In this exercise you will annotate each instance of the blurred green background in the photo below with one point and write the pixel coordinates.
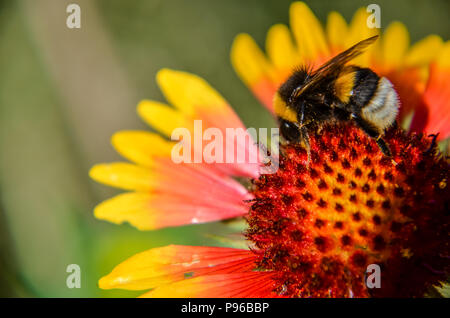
(64, 92)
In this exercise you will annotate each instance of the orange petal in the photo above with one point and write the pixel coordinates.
(434, 115)
(163, 265)
(234, 285)
(179, 194)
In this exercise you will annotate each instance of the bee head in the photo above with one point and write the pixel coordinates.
(290, 105)
(286, 98)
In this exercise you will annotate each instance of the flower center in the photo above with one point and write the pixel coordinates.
(319, 225)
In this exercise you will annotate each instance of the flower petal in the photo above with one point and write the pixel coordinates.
(308, 32)
(128, 207)
(154, 211)
(443, 59)
(336, 31)
(173, 263)
(200, 107)
(424, 51)
(281, 49)
(141, 146)
(123, 175)
(162, 117)
(205, 195)
(435, 115)
(200, 184)
(196, 99)
(254, 69)
(235, 285)
(248, 60)
(358, 31)
(190, 93)
(395, 44)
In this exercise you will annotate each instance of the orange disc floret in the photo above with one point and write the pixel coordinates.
(318, 225)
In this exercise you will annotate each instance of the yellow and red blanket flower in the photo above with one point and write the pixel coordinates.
(312, 230)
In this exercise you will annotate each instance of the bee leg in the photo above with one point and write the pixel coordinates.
(433, 143)
(305, 140)
(383, 146)
(373, 133)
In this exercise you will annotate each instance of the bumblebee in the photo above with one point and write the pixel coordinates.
(336, 92)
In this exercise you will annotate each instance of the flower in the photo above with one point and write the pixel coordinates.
(313, 228)
(164, 193)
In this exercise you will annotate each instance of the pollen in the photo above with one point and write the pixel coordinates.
(349, 207)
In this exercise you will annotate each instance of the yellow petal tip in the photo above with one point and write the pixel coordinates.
(96, 171)
(108, 282)
(163, 73)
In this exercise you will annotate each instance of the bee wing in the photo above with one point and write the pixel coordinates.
(337, 62)
(334, 66)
